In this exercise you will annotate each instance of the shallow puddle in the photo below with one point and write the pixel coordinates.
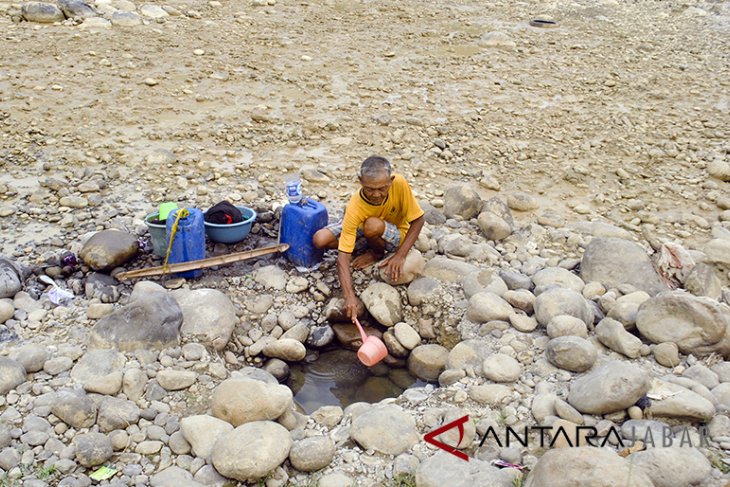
(337, 378)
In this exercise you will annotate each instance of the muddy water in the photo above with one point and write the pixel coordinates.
(337, 378)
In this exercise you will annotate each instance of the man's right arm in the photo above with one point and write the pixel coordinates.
(348, 291)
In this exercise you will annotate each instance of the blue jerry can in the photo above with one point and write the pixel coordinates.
(189, 243)
(299, 222)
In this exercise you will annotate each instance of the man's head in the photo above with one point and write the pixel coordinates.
(375, 178)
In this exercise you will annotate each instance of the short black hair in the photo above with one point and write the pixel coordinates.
(373, 166)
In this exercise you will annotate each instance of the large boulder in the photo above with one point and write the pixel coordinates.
(673, 467)
(43, 13)
(674, 401)
(312, 454)
(718, 251)
(209, 316)
(12, 374)
(92, 449)
(202, 432)
(502, 368)
(612, 387)
(484, 280)
(486, 306)
(287, 349)
(386, 429)
(383, 302)
(251, 451)
(557, 276)
(493, 226)
(75, 408)
(240, 401)
(116, 413)
(462, 200)
(151, 321)
(585, 466)
(612, 334)
(31, 356)
(560, 301)
(423, 290)
(10, 281)
(445, 469)
(76, 9)
(448, 270)
(427, 361)
(571, 353)
(614, 261)
(96, 364)
(109, 249)
(272, 277)
(696, 324)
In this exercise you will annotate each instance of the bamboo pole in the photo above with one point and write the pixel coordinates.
(201, 264)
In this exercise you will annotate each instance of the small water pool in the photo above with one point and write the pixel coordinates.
(337, 378)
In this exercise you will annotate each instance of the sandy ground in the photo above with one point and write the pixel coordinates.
(613, 115)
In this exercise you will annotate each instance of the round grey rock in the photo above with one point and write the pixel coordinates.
(560, 301)
(286, 349)
(585, 465)
(7, 310)
(571, 353)
(109, 249)
(502, 368)
(422, 290)
(614, 386)
(672, 467)
(461, 200)
(484, 280)
(383, 302)
(74, 408)
(201, 432)
(175, 380)
(312, 454)
(320, 336)
(12, 374)
(428, 361)
(693, 323)
(557, 276)
(240, 401)
(92, 449)
(486, 306)
(566, 325)
(493, 226)
(614, 261)
(251, 451)
(43, 13)
(666, 354)
(209, 316)
(386, 429)
(32, 357)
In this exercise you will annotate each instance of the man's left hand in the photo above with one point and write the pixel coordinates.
(393, 266)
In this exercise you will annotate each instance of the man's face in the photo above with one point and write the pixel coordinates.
(376, 188)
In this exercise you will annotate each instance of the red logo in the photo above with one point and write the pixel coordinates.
(459, 423)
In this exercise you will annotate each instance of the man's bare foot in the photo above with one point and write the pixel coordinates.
(367, 259)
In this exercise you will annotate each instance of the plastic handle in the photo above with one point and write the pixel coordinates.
(362, 332)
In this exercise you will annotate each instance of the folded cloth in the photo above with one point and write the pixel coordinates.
(223, 213)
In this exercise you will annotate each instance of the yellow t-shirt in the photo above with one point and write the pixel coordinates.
(399, 208)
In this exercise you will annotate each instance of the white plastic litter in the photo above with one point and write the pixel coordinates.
(58, 295)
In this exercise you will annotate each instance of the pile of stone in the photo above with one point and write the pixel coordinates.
(158, 382)
(98, 14)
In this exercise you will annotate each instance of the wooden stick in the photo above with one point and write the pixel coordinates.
(201, 264)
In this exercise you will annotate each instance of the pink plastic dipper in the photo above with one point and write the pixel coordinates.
(372, 349)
